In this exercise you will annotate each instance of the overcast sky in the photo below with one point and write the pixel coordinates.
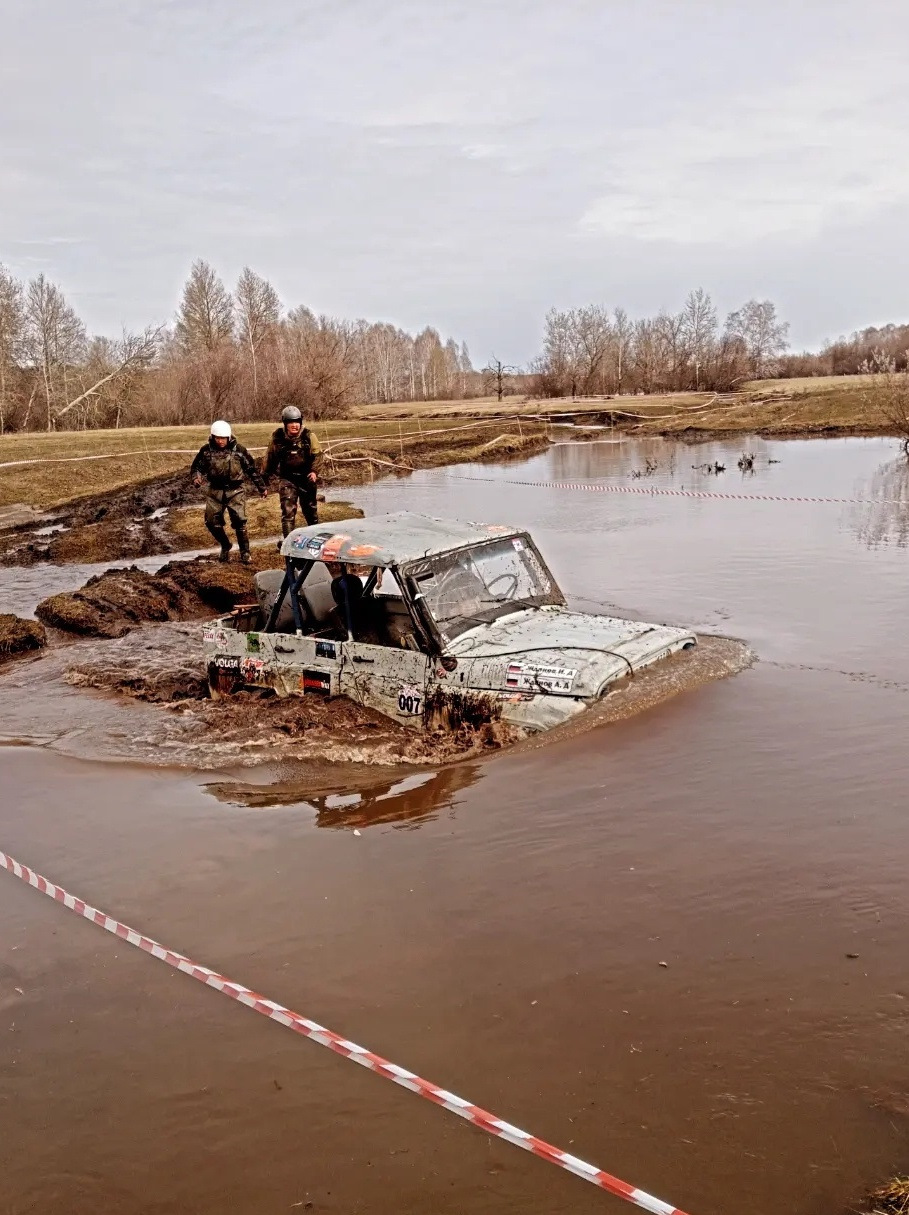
(465, 164)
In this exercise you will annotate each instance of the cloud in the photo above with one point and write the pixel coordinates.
(788, 163)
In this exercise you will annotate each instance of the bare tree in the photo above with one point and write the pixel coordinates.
(890, 393)
(112, 368)
(205, 319)
(12, 320)
(765, 336)
(668, 333)
(499, 374)
(699, 331)
(258, 312)
(54, 341)
(591, 332)
(622, 333)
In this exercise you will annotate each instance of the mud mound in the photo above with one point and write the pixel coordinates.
(18, 636)
(217, 586)
(113, 603)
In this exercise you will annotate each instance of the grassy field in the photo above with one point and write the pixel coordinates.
(46, 470)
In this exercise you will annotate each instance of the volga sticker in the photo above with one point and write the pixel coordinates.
(226, 662)
(410, 700)
(537, 677)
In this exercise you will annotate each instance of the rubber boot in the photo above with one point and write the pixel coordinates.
(223, 539)
(243, 541)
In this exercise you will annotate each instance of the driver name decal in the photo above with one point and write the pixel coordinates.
(539, 677)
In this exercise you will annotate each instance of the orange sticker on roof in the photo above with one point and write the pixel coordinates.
(331, 548)
(362, 550)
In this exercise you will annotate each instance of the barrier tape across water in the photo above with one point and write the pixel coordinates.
(598, 487)
(341, 1046)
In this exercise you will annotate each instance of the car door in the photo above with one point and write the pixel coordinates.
(391, 679)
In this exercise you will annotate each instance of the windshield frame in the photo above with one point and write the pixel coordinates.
(449, 630)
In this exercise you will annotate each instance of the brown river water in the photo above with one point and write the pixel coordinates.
(499, 927)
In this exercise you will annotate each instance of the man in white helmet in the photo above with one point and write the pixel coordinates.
(224, 464)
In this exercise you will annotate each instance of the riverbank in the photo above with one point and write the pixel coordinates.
(118, 495)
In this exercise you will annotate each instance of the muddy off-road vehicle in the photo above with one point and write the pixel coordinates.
(429, 621)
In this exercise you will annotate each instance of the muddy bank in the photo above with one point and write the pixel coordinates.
(119, 523)
(178, 524)
(783, 413)
(18, 636)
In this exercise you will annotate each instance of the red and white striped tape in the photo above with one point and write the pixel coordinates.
(599, 487)
(341, 1046)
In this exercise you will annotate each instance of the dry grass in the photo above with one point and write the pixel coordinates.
(852, 409)
(187, 525)
(808, 383)
(891, 1199)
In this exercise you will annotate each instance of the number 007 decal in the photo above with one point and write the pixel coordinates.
(410, 700)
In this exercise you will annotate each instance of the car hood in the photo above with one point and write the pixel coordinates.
(558, 652)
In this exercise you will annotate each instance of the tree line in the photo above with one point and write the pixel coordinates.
(594, 352)
(237, 354)
(242, 354)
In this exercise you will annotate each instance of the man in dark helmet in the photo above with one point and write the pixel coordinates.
(295, 455)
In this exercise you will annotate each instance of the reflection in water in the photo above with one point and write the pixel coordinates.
(403, 802)
(883, 519)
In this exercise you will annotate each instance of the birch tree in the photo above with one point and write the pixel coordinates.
(258, 311)
(54, 342)
(699, 330)
(765, 336)
(205, 319)
(12, 320)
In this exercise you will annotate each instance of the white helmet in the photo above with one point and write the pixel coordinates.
(220, 430)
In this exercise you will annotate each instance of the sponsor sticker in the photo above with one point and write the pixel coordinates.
(253, 670)
(316, 681)
(216, 637)
(332, 547)
(326, 649)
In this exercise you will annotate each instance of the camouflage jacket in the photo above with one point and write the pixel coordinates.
(293, 459)
(224, 468)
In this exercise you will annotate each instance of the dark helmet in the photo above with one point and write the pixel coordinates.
(291, 414)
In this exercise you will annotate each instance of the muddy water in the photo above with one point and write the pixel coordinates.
(500, 927)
